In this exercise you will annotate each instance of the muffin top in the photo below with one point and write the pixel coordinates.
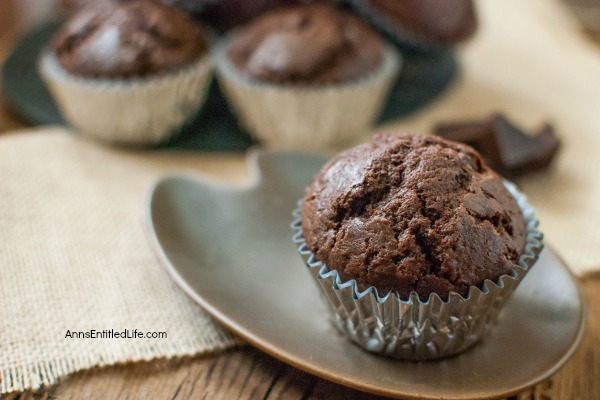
(437, 21)
(409, 213)
(193, 7)
(127, 39)
(306, 44)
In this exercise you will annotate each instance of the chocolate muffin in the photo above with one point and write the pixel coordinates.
(307, 77)
(306, 44)
(135, 38)
(433, 22)
(128, 72)
(193, 7)
(413, 213)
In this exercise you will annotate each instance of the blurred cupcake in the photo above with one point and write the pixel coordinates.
(224, 15)
(193, 7)
(128, 72)
(415, 243)
(306, 76)
(71, 6)
(421, 23)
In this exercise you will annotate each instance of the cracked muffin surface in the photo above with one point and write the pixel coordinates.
(128, 39)
(407, 213)
(306, 44)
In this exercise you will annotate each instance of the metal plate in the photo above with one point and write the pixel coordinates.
(231, 251)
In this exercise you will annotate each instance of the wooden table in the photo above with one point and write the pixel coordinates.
(246, 373)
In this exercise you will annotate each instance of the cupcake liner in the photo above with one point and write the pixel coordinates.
(305, 117)
(413, 329)
(139, 111)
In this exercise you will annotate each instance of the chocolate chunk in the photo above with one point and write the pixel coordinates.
(505, 147)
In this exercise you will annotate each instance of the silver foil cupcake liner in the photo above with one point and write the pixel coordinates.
(413, 329)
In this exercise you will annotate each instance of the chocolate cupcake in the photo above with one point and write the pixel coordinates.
(128, 72)
(421, 23)
(193, 7)
(415, 243)
(306, 76)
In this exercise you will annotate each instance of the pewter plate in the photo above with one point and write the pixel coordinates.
(230, 250)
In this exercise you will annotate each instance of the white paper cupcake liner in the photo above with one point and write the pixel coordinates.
(413, 329)
(139, 111)
(304, 117)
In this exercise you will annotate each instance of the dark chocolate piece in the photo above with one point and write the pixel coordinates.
(505, 147)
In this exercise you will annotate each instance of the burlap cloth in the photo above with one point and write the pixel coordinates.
(74, 254)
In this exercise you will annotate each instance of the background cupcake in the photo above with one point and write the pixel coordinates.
(128, 72)
(415, 243)
(421, 23)
(193, 7)
(224, 15)
(306, 76)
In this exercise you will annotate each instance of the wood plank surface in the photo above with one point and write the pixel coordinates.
(247, 373)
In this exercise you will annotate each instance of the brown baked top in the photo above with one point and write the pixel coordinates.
(438, 21)
(128, 39)
(409, 212)
(306, 44)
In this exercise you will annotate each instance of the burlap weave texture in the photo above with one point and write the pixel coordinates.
(75, 256)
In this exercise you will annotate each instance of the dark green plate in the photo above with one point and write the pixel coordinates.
(214, 127)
